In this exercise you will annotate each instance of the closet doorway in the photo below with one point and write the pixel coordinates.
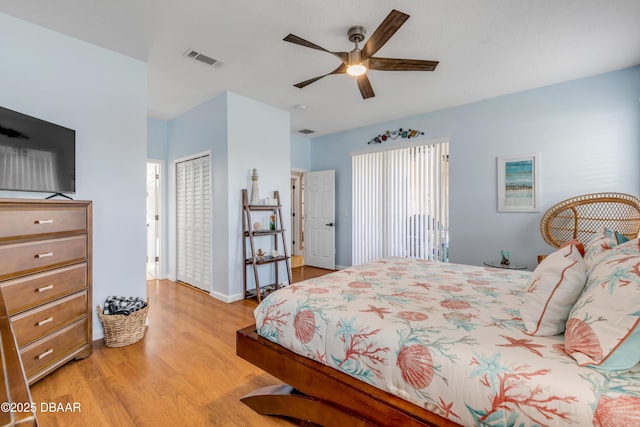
(193, 221)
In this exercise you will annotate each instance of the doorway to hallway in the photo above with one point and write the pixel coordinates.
(297, 218)
(154, 203)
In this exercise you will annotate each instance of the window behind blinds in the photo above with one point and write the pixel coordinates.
(401, 203)
(193, 221)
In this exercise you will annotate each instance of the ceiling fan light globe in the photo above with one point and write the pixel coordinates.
(356, 70)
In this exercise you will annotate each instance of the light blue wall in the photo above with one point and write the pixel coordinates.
(300, 152)
(240, 134)
(157, 143)
(103, 96)
(587, 132)
(259, 137)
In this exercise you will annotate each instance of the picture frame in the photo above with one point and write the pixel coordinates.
(518, 183)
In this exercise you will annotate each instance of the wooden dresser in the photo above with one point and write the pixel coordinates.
(45, 276)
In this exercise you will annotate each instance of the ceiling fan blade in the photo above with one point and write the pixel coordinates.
(393, 64)
(340, 70)
(383, 33)
(365, 87)
(308, 82)
(344, 56)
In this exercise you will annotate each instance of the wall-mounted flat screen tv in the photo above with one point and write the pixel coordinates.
(36, 155)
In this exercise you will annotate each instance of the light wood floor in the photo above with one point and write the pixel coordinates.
(184, 372)
(306, 272)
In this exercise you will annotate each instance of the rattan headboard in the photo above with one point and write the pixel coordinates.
(581, 217)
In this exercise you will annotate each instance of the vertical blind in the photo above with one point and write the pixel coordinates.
(401, 203)
(193, 217)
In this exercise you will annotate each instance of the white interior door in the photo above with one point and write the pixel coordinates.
(320, 219)
(193, 222)
(153, 219)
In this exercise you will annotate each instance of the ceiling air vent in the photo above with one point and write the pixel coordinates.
(306, 131)
(201, 57)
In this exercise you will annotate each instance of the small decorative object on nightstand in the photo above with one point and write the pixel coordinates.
(505, 262)
(505, 259)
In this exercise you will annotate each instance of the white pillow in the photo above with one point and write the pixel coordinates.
(553, 288)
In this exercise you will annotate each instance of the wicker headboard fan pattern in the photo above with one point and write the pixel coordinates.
(581, 217)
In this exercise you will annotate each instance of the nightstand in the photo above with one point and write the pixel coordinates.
(497, 264)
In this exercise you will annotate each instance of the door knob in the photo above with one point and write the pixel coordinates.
(331, 224)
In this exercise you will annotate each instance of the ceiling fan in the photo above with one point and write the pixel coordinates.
(358, 61)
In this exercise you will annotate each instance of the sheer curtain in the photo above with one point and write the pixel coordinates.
(401, 203)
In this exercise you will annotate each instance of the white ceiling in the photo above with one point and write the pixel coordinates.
(486, 48)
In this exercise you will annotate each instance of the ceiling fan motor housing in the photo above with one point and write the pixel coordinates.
(356, 34)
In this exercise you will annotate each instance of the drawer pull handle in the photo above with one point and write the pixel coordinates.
(44, 221)
(45, 354)
(45, 288)
(45, 321)
(48, 254)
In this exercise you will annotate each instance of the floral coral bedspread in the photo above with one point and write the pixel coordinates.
(447, 337)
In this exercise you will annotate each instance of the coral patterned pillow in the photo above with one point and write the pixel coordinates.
(603, 327)
(553, 288)
(600, 246)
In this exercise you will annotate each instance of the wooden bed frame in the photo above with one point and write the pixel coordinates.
(323, 395)
(326, 396)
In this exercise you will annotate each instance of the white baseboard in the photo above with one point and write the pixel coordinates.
(226, 298)
(217, 295)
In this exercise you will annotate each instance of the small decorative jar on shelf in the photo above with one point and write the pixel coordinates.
(272, 222)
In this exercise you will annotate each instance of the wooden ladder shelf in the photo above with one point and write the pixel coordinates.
(251, 258)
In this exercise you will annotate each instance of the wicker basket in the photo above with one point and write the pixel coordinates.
(121, 330)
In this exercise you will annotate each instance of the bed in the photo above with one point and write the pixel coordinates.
(410, 342)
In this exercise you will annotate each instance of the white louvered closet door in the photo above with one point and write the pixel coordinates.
(193, 222)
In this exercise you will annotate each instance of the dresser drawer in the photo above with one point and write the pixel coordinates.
(27, 292)
(34, 324)
(20, 258)
(53, 348)
(34, 221)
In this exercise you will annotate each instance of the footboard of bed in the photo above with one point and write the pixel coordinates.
(321, 394)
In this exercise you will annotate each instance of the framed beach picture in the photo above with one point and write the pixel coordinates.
(518, 189)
